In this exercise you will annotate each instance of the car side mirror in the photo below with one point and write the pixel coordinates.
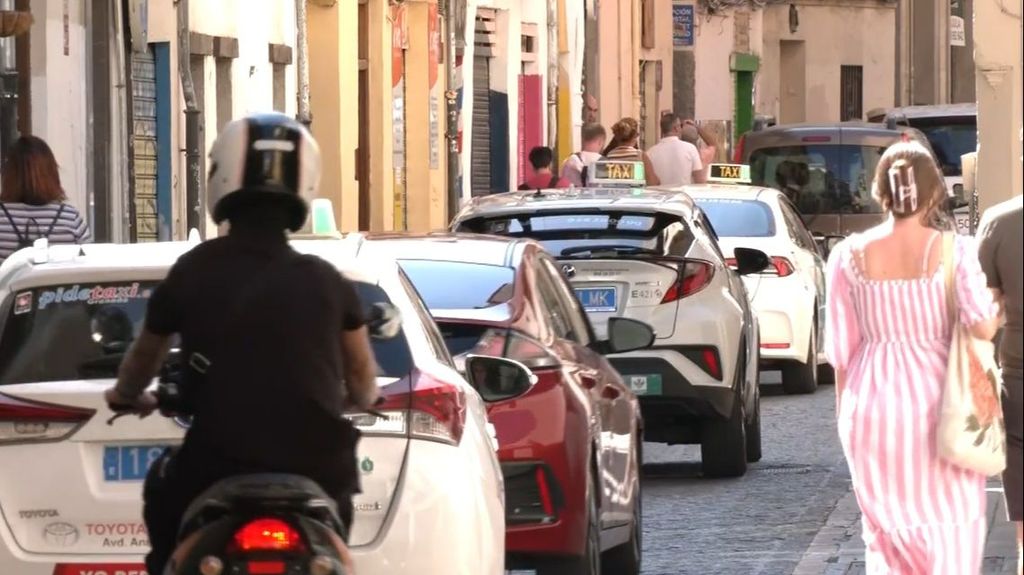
(498, 378)
(384, 321)
(751, 261)
(827, 243)
(625, 334)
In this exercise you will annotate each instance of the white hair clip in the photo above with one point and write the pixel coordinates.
(903, 190)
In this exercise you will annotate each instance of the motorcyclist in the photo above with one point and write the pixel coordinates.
(267, 337)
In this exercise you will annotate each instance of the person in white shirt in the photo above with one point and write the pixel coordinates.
(705, 141)
(573, 168)
(677, 163)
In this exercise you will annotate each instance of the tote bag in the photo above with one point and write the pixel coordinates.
(971, 431)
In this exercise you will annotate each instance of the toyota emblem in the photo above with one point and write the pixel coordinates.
(569, 270)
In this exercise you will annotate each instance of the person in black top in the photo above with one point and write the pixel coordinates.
(274, 342)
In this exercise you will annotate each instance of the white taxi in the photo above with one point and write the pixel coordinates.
(789, 295)
(70, 490)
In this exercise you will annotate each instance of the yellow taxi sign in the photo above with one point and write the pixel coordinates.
(604, 173)
(729, 173)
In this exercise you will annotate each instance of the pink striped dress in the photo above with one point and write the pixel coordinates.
(921, 515)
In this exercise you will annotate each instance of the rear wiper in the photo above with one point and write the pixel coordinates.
(611, 249)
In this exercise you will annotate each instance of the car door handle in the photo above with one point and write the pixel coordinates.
(588, 382)
(610, 392)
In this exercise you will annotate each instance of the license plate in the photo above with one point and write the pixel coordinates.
(644, 384)
(597, 299)
(129, 462)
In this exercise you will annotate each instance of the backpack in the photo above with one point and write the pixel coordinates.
(552, 184)
(23, 240)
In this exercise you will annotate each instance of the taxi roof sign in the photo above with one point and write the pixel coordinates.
(616, 174)
(729, 173)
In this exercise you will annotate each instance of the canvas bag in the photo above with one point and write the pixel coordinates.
(971, 431)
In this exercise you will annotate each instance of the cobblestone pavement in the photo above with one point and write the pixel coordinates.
(760, 524)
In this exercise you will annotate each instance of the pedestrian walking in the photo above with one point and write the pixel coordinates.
(704, 139)
(625, 139)
(888, 336)
(1001, 252)
(542, 160)
(676, 162)
(574, 167)
(33, 203)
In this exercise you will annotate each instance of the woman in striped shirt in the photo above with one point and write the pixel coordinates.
(625, 139)
(32, 201)
(888, 337)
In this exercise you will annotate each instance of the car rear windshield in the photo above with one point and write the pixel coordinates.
(739, 218)
(81, 331)
(820, 178)
(460, 285)
(950, 138)
(620, 233)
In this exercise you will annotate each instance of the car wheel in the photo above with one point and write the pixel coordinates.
(754, 433)
(589, 563)
(625, 559)
(802, 377)
(723, 443)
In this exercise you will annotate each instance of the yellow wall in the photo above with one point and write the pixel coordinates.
(334, 100)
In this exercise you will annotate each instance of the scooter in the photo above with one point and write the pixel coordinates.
(256, 524)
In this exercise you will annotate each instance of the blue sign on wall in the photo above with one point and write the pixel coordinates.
(682, 25)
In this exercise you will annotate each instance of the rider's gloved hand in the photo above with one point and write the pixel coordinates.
(143, 404)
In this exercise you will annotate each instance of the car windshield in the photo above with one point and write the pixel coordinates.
(738, 218)
(460, 285)
(81, 331)
(950, 138)
(820, 179)
(595, 234)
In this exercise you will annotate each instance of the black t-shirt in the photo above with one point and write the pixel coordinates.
(269, 320)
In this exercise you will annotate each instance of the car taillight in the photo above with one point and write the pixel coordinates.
(696, 276)
(268, 534)
(23, 421)
(780, 266)
(706, 357)
(737, 157)
(434, 410)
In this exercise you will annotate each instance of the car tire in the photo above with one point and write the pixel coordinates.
(754, 433)
(723, 443)
(802, 378)
(626, 558)
(589, 563)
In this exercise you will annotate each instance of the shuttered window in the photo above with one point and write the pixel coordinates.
(851, 106)
(480, 155)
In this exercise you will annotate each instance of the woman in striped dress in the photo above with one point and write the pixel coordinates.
(625, 139)
(888, 337)
(32, 201)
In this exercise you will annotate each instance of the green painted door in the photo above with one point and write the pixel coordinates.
(744, 120)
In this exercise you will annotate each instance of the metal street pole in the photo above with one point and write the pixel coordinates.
(452, 131)
(302, 60)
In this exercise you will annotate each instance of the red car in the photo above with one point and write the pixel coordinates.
(570, 444)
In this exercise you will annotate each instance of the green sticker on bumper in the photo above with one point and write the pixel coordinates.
(644, 384)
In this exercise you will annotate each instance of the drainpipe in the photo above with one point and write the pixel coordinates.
(193, 180)
(552, 75)
(302, 60)
(451, 107)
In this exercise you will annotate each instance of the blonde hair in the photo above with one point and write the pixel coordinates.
(626, 130)
(908, 182)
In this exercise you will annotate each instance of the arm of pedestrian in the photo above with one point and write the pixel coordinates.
(977, 308)
(360, 367)
(840, 386)
(652, 176)
(700, 176)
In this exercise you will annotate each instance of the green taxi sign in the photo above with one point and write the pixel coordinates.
(729, 173)
(612, 173)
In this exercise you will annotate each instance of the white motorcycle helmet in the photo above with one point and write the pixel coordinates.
(261, 157)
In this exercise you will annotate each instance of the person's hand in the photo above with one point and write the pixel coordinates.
(143, 405)
(689, 122)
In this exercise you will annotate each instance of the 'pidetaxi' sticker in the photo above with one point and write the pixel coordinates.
(23, 303)
(94, 295)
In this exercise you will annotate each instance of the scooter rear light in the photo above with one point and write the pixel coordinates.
(266, 567)
(268, 534)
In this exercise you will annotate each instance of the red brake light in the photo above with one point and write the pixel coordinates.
(31, 421)
(696, 276)
(774, 345)
(266, 567)
(738, 154)
(436, 410)
(782, 266)
(545, 492)
(268, 534)
(711, 363)
(818, 139)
